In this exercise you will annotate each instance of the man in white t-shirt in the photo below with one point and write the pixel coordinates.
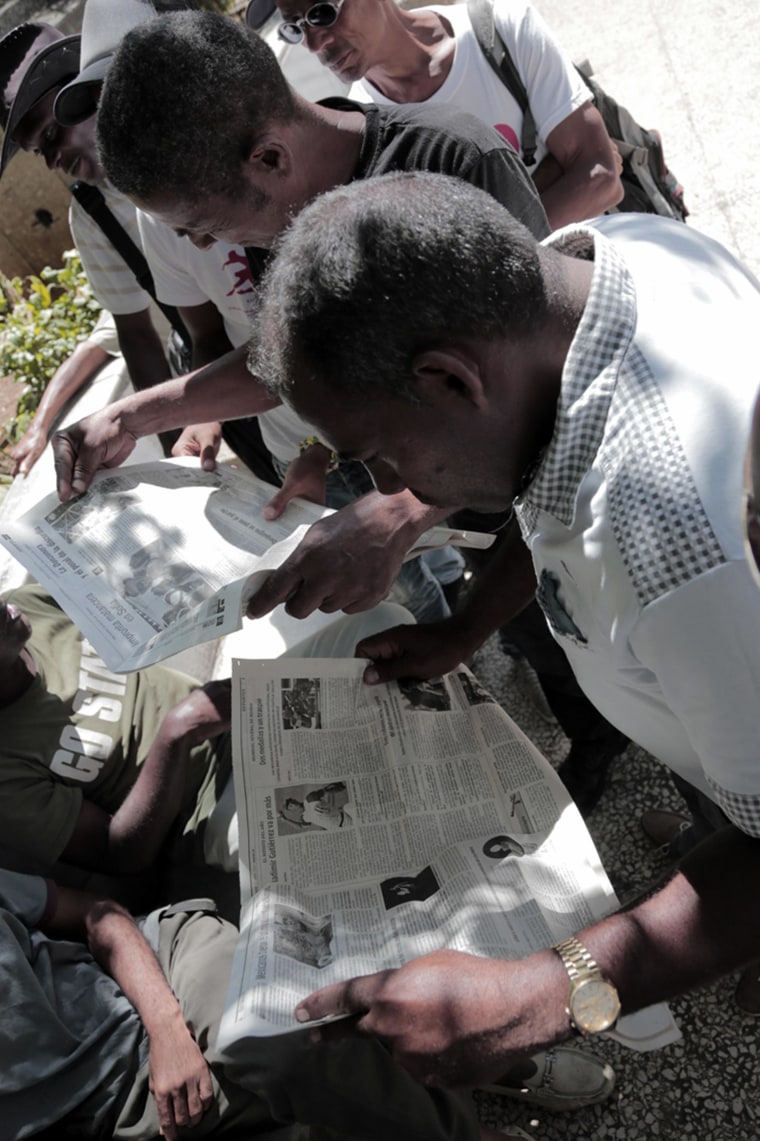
(214, 291)
(431, 55)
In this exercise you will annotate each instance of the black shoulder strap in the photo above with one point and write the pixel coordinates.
(91, 199)
(257, 259)
(497, 54)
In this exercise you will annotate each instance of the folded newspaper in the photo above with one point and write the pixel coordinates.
(161, 556)
(380, 823)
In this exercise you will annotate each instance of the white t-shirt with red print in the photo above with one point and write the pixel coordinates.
(554, 87)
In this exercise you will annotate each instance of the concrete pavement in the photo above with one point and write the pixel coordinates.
(690, 69)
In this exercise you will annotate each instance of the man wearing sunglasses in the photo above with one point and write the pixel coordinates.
(322, 15)
(432, 55)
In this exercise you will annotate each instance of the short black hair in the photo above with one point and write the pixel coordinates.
(370, 274)
(185, 97)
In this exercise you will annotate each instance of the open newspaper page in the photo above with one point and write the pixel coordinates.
(380, 823)
(158, 557)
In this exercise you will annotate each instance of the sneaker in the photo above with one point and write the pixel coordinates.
(558, 1079)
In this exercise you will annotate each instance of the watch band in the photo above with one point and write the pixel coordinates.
(593, 1003)
(578, 961)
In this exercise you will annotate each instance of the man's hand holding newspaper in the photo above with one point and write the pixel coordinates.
(448, 1017)
(158, 557)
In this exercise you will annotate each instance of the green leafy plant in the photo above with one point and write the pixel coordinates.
(42, 319)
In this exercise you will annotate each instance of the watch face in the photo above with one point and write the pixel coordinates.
(594, 1005)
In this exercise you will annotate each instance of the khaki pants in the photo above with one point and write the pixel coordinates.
(195, 952)
(278, 1087)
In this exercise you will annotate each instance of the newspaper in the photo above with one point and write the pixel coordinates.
(161, 556)
(380, 823)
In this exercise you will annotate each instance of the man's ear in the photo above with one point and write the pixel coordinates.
(447, 375)
(268, 155)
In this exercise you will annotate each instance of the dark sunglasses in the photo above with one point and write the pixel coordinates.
(322, 15)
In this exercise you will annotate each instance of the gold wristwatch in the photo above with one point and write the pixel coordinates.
(593, 1005)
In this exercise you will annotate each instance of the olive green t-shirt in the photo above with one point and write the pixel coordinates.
(81, 731)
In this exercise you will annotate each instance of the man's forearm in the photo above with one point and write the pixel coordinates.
(76, 371)
(502, 590)
(118, 946)
(702, 924)
(179, 1077)
(459, 1019)
(580, 194)
(139, 826)
(223, 390)
(589, 165)
(144, 357)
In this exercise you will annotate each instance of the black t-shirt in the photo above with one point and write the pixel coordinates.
(444, 140)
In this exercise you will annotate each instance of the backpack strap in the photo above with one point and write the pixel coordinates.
(91, 199)
(496, 52)
(257, 259)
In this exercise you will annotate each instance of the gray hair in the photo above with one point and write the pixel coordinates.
(185, 97)
(372, 273)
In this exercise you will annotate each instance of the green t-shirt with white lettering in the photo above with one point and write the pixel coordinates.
(81, 731)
